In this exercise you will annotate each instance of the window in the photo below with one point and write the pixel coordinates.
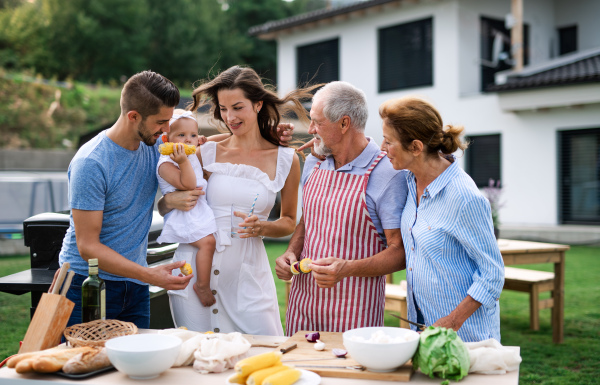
(482, 159)
(567, 40)
(318, 62)
(579, 176)
(490, 30)
(406, 55)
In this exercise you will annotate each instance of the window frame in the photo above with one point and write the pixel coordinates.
(313, 78)
(472, 139)
(564, 181)
(430, 80)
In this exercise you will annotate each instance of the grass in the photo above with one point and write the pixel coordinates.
(573, 362)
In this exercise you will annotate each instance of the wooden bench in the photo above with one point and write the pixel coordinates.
(533, 282)
(395, 300)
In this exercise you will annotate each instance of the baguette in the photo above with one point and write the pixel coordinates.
(25, 365)
(53, 362)
(87, 362)
(13, 361)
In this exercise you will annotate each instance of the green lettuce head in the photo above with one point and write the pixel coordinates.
(442, 353)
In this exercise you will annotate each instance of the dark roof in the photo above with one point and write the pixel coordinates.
(305, 18)
(584, 69)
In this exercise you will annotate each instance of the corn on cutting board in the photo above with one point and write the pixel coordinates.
(306, 350)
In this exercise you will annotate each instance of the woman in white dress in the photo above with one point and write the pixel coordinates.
(248, 168)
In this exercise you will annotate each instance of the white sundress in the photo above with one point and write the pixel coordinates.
(241, 278)
(186, 226)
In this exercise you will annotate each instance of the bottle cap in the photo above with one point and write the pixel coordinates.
(93, 262)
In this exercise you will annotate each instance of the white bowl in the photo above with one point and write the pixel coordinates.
(381, 357)
(143, 356)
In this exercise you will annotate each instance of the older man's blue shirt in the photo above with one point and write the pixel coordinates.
(451, 252)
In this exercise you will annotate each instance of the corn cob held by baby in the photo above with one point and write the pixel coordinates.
(167, 148)
(264, 369)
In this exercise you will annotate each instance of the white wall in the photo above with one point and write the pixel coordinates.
(529, 139)
(584, 13)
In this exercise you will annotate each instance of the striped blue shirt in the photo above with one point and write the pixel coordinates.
(451, 252)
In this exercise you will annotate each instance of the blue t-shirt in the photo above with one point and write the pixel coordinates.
(121, 183)
(386, 191)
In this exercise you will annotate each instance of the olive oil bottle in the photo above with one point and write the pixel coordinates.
(93, 295)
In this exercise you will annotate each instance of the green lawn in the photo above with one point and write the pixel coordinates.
(573, 362)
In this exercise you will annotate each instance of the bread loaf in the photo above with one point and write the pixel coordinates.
(87, 362)
(13, 361)
(54, 361)
(25, 365)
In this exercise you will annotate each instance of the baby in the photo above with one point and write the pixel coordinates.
(179, 171)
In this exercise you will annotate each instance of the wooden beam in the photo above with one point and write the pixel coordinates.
(516, 34)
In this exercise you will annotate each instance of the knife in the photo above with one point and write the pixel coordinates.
(355, 367)
(420, 326)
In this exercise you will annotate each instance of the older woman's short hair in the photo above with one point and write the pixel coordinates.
(343, 99)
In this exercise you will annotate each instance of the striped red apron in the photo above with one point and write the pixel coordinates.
(337, 223)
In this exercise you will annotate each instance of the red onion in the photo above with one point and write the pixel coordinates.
(312, 337)
(339, 353)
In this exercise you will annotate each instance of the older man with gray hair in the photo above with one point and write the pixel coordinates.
(350, 228)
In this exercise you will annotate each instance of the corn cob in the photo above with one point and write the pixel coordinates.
(250, 365)
(286, 377)
(167, 148)
(304, 265)
(257, 378)
(186, 269)
(237, 379)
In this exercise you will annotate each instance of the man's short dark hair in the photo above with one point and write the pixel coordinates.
(146, 92)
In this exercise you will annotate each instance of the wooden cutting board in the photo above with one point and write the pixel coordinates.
(306, 350)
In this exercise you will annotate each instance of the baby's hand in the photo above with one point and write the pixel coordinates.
(205, 295)
(178, 154)
(201, 140)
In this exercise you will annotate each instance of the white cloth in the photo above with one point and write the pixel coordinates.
(241, 275)
(211, 352)
(217, 354)
(186, 226)
(490, 357)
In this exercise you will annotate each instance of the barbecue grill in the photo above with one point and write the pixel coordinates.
(44, 233)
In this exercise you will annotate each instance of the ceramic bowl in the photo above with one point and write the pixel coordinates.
(367, 347)
(143, 356)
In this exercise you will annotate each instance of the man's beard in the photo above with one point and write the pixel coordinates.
(146, 137)
(321, 148)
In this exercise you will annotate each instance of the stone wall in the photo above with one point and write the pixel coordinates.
(35, 159)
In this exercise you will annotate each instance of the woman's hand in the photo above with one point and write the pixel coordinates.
(253, 226)
(285, 132)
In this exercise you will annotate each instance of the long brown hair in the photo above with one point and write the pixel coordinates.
(415, 119)
(247, 80)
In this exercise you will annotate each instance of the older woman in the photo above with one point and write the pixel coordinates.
(454, 269)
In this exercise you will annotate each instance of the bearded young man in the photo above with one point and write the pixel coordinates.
(112, 185)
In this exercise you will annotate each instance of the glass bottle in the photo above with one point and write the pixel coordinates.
(93, 295)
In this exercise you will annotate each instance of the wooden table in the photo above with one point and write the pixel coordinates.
(524, 252)
(186, 375)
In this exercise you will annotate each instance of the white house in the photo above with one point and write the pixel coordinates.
(537, 129)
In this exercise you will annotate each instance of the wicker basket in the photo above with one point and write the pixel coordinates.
(96, 333)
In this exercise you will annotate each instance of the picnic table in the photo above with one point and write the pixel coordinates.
(525, 252)
(185, 375)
